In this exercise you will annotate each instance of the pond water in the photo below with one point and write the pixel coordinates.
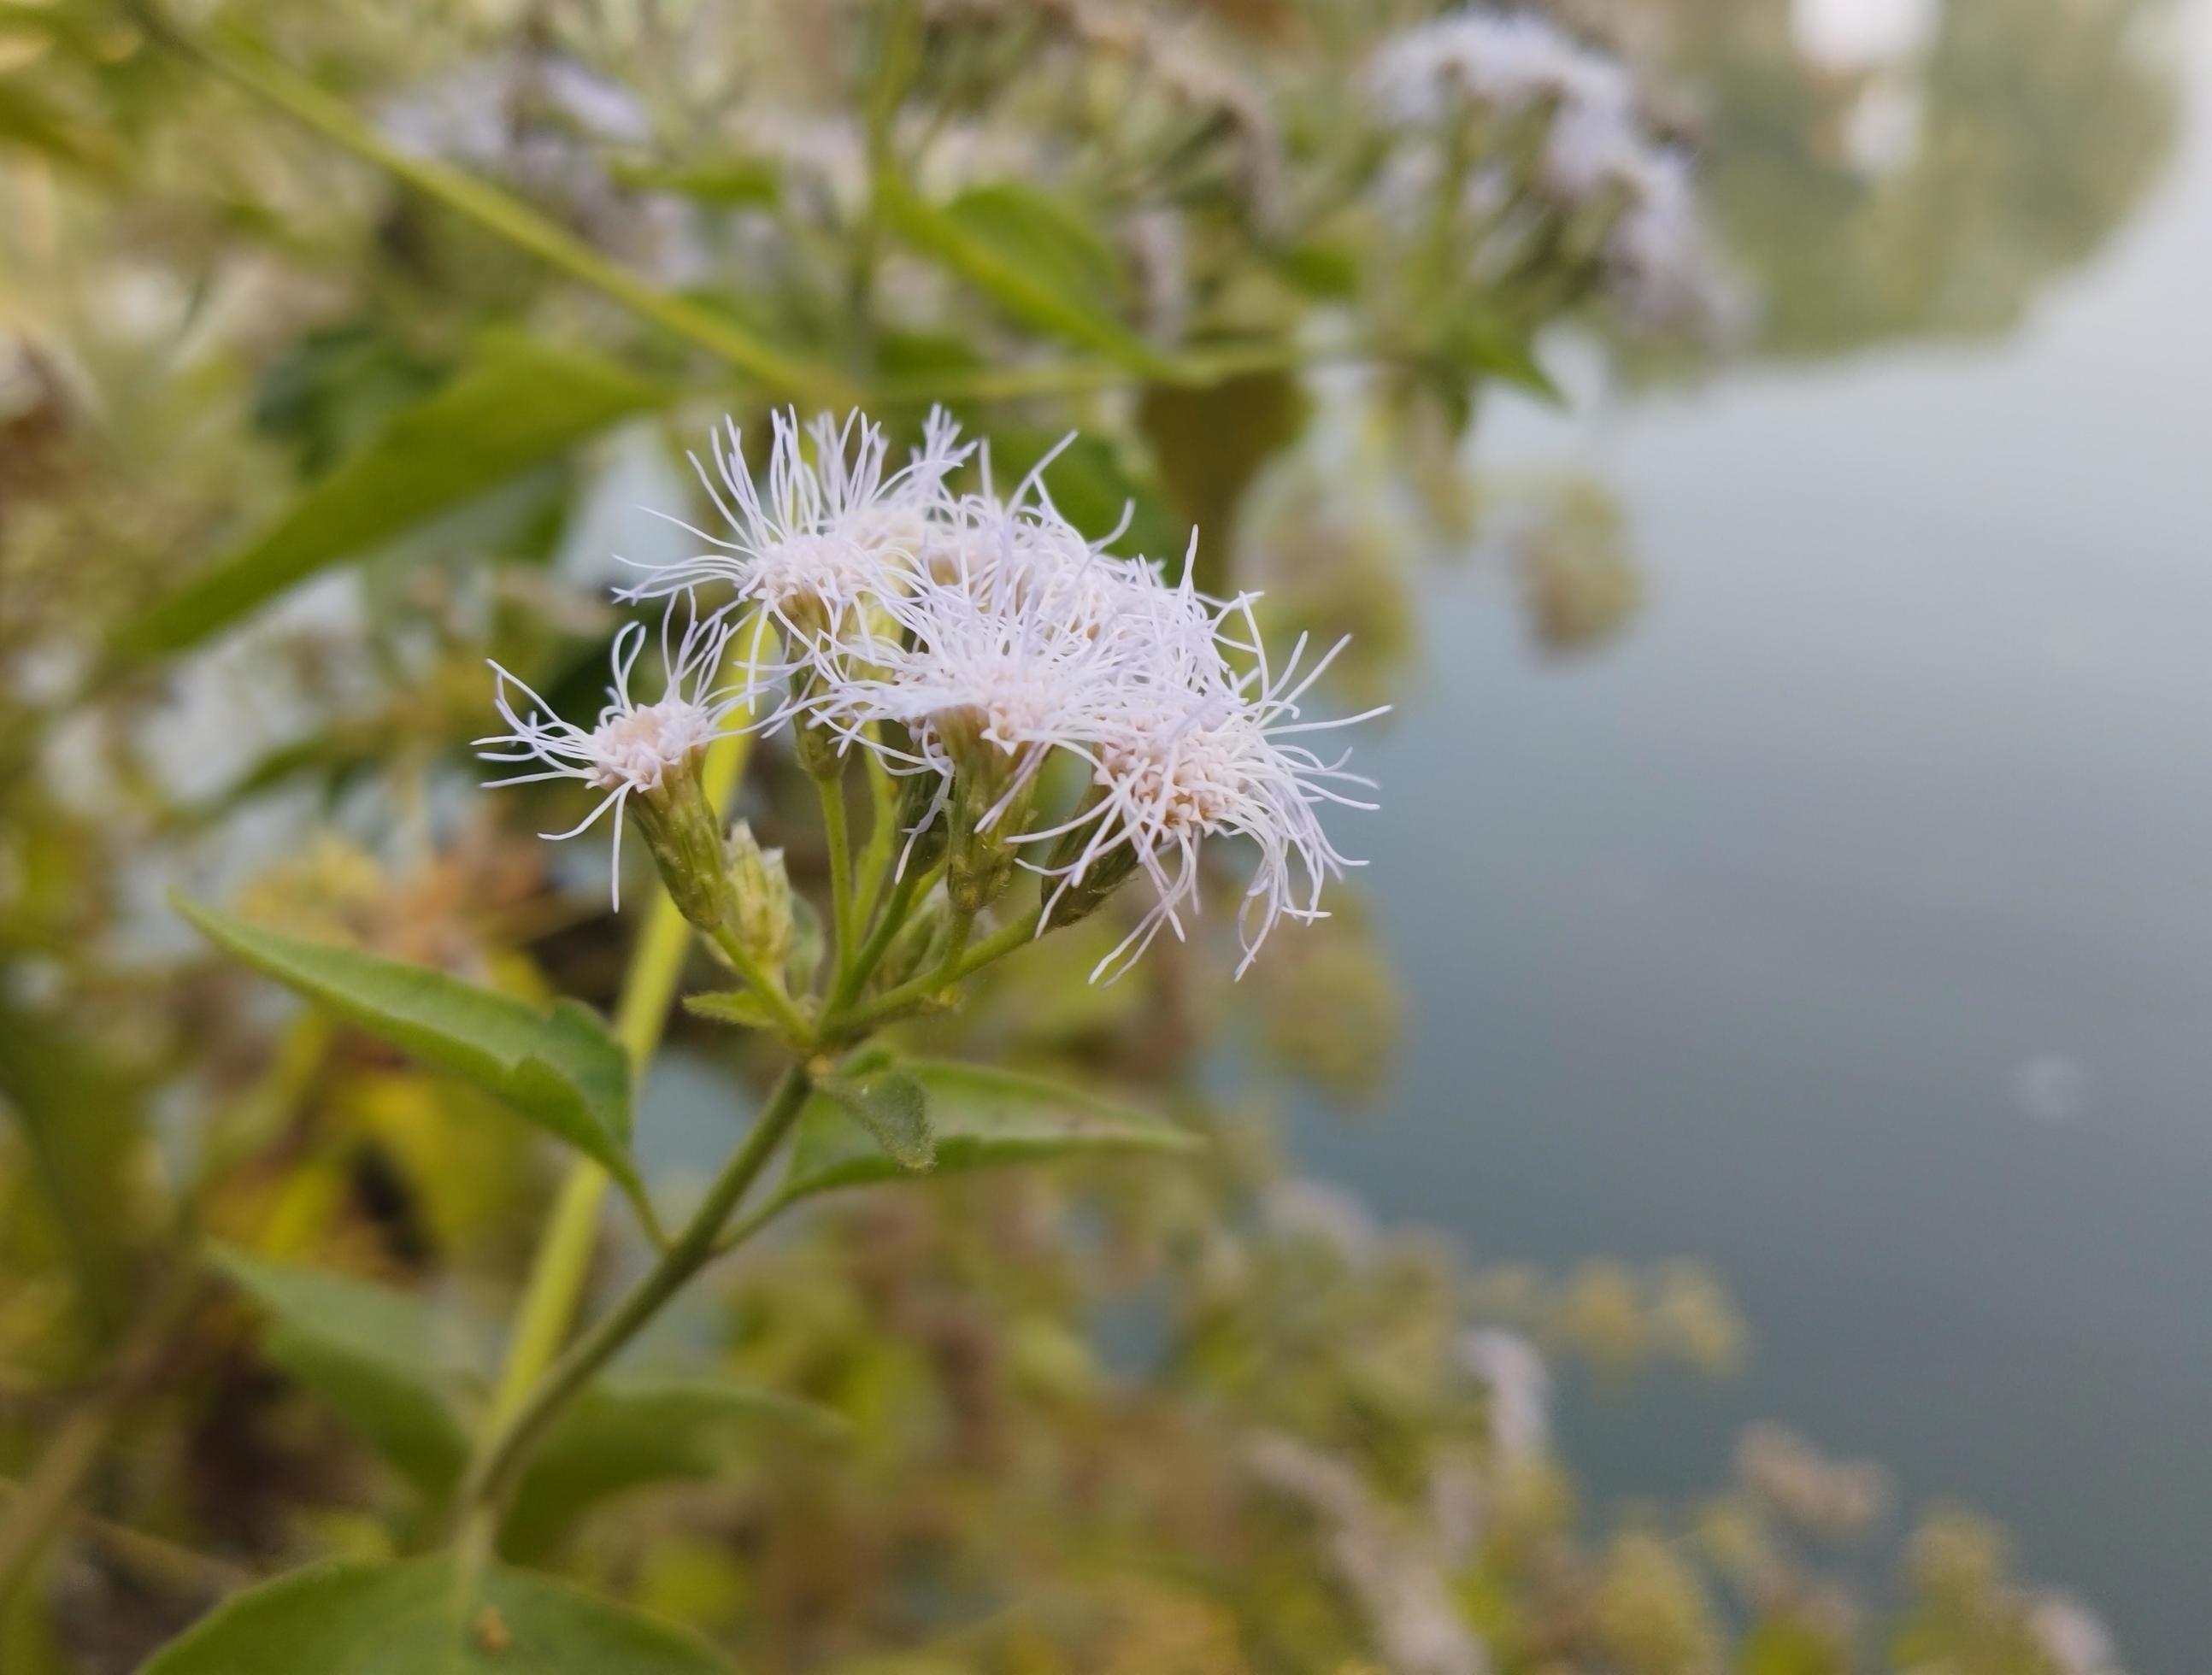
(1848, 923)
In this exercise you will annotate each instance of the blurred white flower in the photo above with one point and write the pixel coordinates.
(1505, 60)
(1395, 1569)
(1598, 153)
(2073, 1636)
(1520, 1384)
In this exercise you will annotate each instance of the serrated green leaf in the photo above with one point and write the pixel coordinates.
(741, 1007)
(520, 404)
(429, 1616)
(982, 1119)
(383, 1359)
(1033, 256)
(561, 1069)
(620, 1437)
(893, 1106)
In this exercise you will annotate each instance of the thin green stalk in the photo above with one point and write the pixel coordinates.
(830, 788)
(492, 1473)
(883, 829)
(241, 63)
(45, 1498)
(1006, 938)
(178, 1568)
(909, 886)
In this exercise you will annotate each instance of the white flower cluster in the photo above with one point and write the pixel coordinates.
(975, 640)
(1597, 147)
(633, 747)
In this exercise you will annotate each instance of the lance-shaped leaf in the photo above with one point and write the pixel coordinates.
(982, 1119)
(1033, 256)
(560, 1069)
(520, 404)
(429, 1616)
(624, 1435)
(383, 1359)
(743, 1007)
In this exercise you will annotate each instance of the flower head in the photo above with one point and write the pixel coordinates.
(968, 642)
(1203, 753)
(634, 750)
(829, 532)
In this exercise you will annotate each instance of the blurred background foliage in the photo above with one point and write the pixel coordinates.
(299, 422)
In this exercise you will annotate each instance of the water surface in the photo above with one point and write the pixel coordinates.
(1849, 923)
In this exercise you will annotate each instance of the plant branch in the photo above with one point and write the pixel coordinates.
(497, 1462)
(564, 1251)
(830, 788)
(1006, 938)
(908, 886)
(45, 1498)
(769, 985)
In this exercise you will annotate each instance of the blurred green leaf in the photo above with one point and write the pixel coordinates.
(561, 1069)
(726, 183)
(1328, 272)
(982, 1119)
(893, 1105)
(1210, 441)
(84, 1128)
(620, 1436)
(1502, 351)
(383, 1359)
(429, 1616)
(33, 122)
(1033, 256)
(519, 405)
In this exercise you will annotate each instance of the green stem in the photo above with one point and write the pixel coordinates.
(883, 830)
(952, 969)
(492, 1473)
(563, 1262)
(830, 788)
(888, 925)
(794, 1022)
(247, 67)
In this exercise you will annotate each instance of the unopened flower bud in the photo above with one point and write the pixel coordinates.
(1091, 887)
(990, 796)
(680, 827)
(761, 899)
